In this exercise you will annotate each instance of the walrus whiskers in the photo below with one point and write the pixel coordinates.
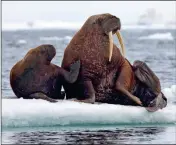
(121, 42)
(110, 45)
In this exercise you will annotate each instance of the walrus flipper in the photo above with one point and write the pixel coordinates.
(72, 75)
(40, 95)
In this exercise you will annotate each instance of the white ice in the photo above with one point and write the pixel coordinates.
(27, 113)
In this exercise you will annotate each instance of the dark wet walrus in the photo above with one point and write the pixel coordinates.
(36, 77)
(104, 70)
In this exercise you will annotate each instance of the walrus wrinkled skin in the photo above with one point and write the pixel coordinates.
(36, 77)
(148, 87)
(104, 70)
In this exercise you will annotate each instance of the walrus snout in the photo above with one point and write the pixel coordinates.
(159, 102)
(49, 51)
(111, 23)
(112, 26)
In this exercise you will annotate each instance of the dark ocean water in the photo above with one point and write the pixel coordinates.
(89, 135)
(156, 47)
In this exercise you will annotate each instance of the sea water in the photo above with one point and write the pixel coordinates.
(38, 121)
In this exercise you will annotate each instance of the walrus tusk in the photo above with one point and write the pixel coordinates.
(121, 42)
(110, 45)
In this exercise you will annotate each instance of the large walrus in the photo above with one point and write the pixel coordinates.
(36, 77)
(104, 70)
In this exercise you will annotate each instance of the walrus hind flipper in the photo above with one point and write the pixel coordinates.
(42, 96)
(74, 71)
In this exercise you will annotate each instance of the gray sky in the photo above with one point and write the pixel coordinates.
(79, 11)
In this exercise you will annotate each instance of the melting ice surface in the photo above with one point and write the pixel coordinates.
(36, 113)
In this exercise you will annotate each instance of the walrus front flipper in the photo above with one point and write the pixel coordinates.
(72, 75)
(40, 95)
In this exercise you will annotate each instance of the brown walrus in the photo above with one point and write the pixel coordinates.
(36, 77)
(104, 70)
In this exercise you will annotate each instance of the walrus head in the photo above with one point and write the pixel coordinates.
(41, 54)
(109, 25)
(159, 102)
(151, 94)
(46, 51)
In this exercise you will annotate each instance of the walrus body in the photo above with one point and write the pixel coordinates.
(90, 45)
(97, 74)
(36, 77)
(103, 72)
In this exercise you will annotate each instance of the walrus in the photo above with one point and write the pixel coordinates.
(146, 87)
(104, 68)
(36, 77)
